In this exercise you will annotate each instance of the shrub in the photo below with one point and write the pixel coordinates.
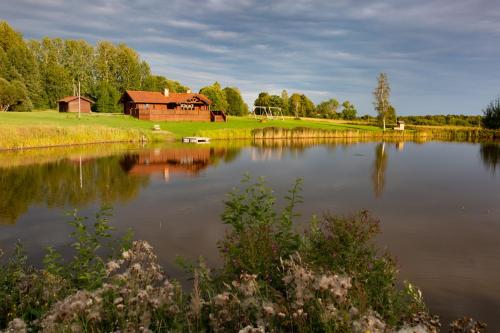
(260, 236)
(491, 115)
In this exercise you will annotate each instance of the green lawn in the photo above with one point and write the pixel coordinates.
(178, 129)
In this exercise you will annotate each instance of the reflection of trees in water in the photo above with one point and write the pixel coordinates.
(490, 154)
(379, 169)
(58, 184)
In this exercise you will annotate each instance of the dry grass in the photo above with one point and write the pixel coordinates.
(17, 137)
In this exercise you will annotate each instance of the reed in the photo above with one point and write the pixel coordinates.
(418, 134)
(17, 137)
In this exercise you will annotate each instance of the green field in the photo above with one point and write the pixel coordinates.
(26, 129)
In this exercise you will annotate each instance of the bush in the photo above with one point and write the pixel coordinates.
(491, 115)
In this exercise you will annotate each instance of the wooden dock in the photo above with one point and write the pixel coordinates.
(195, 139)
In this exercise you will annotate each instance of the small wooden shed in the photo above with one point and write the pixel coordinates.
(400, 126)
(70, 104)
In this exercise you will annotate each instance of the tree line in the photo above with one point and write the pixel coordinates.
(37, 73)
(299, 105)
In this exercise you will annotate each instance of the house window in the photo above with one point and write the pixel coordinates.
(146, 106)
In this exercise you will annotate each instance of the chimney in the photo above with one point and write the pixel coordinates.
(166, 92)
(188, 91)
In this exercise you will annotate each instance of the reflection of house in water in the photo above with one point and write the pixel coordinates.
(167, 161)
(400, 145)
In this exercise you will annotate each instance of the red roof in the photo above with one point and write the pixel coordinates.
(154, 97)
(68, 99)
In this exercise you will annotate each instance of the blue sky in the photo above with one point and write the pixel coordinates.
(441, 56)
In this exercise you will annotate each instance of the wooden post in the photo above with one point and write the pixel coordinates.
(79, 100)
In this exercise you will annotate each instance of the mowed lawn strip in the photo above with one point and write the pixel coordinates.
(178, 129)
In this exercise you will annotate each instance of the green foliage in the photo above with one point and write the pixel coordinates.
(87, 268)
(216, 95)
(159, 83)
(344, 244)
(441, 120)
(260, 236)
(51, 68)
(491, 115)
(381, 94)
(236, 105)
(263, 99)
(107, 98)
(301, 106)
(13, 96)
(328, 109)
(391, 115)
(348, 111)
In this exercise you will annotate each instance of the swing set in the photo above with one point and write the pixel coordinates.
(268, 112)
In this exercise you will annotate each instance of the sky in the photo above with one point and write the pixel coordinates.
(441, 56)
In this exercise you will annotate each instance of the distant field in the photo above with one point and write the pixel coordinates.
(177, 129)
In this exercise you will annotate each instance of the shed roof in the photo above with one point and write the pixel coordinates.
(154, 97)
(68, 99)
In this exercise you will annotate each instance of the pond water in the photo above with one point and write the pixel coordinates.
(438, 202)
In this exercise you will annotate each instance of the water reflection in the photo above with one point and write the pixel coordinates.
(67, 182)
(187, 160)
(71, 177)
(490, 154)
(379, 169)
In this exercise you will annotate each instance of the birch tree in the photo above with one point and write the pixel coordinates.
(381, 94)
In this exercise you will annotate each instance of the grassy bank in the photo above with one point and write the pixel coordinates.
(50, 128)
(15, 137)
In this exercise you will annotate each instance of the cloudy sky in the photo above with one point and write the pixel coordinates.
(442, 56)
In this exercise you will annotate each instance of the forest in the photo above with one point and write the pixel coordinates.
(36, 73)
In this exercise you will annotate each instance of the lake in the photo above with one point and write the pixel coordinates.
(438, 202)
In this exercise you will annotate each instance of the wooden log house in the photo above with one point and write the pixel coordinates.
(150, 105)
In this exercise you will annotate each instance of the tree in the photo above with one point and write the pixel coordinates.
(107, 98)
(159, 83)
(13, 96)
(491, 115)
(295, 105)
(391, 115)
(236, 105)
(284, 98)
(348, 111)
(216, 95)
(264, 99)
(328, 108)
(18, 62)
(381, 94)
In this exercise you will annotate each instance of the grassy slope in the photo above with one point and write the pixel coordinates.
(179, 129)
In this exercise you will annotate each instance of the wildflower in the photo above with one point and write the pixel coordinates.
(136, 268)
(112, 266)
(414, 329)
(16, 325)
(221, 299)
(269, 309)
(251, 329)
(126, 255)
(370, 322)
